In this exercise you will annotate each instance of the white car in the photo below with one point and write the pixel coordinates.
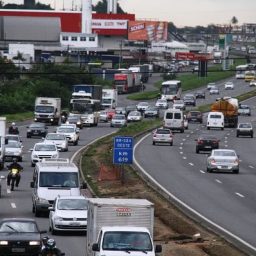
(142, 106)
(134, 116)
(252, 83)
(43, 150)
(14, 137)
(179, 104)
(214, 90)
(70, 131)
(13, 150)
(69, 213)
(210, 85)
(229, 86)
(161, 103)
(118, 120)
(60, 140)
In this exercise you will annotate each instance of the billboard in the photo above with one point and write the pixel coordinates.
(109, 24)
(147, 31)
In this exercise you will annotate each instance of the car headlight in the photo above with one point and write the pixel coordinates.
(78, 123)
(58, 218)
(34, 243)
(3, 242)
(35, 156)
(42, 201)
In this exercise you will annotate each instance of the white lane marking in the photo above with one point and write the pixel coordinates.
(8, 191)
(181, 143)
(191, 164)
(191, 132)
(201, 171)
(184, 157)
(226, 138)
(228, 134)
(180, 147)
(187, 136)
(226, 145)
(13, 205)
(181, 152)
(218, 181)
(238, 194)
(197, 129)
(250, 166)
(183, 139)
(164, 190)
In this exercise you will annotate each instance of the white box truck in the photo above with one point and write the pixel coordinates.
(47, 110)
(116, 227)
(109, 98)
(2, 140)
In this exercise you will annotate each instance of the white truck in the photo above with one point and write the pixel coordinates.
(109, 98)
(116, 227)
(2, 140)
(47, 110)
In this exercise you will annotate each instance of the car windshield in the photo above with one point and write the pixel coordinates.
(58, 179)
(72, 204)
(224, 153)
(211, 84)
(151, 109)
(162, 101)
(36, 126)
(129, 241)
(13, 144)
(245, 126)
(12, 137)
(163, 131)
(244, 107)
(66, 130)
(143, 104)
(44, 109)
(45, 147)
(134, 113)
(178, 102)
(18, 226)
(55, 136)
(189, 97)
(194, 113)
(117, 117)
(215, 116)
(72, 119)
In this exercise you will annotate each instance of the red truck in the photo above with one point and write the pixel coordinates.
(126, 82)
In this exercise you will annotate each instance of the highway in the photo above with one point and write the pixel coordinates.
(222, 200)
(187, 181)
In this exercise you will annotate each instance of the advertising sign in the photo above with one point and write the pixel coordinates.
(192, 56)
(109, 24)
(147, 31)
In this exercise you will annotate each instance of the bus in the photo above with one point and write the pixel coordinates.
(171, 90)
(240, 71)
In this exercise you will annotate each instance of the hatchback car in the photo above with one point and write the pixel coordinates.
(37, 130)
(43, 150)
(229, 86)
(68, 213)
(142, 106)
(161, 103)
(214, 90)
(134, 116)
(189, 100)
(200, 95)
(130, 108)
(75, 119)
(179, 104)
(244, 110)
(206, 142)
(71, 133)
(223, 160)
(162, 135)
(195, 116)
(20, 236)
(151, 112)
(210, 85)
(13, 150)
(244, 129)
(60, 140)
(118, 120)
(13, 137)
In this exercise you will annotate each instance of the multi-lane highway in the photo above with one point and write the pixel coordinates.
(187, 180)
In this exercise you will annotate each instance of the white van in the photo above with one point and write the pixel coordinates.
(215, 120)
(174, 119)
(53, 177)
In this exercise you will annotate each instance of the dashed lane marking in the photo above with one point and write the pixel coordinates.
(181, 152)
(180, 147)
(184, 157)
(13, 205)
(191, 164)
(181, 143)
(183, 139)
(187, 136)
(201, 171)
(8, 191)
(240, 195)
(218, 181)
(250, 166)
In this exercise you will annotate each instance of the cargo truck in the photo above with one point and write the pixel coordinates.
(87, 91)
(143, 70)
(48, 110)
(119, 227)
(229, 107)
(2, 141)
(109, 98)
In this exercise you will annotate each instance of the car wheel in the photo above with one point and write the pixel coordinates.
(75, 143)
(33, 164)
(208, 170)
(33, 208)
(154, 143)
(197, 151)
(20, 159)
(237, 135)
(182, 130)
(208, 128)
(37, 213)
(171, 143)
(236, 171)
(222, 128)
(252, 135)
(28, 136)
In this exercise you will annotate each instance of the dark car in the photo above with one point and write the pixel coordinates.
(20, 236)
(75, 119)
(151, 112)
(189, 100)
(37, 129)
(195, 116)
(206, 142)
(130, 108)
(200, 95)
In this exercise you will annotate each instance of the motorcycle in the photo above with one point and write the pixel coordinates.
(49, 248)
(14, 176)
(13, 130)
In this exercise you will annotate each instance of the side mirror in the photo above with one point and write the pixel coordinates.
(30, 150)
(32, 184)
(84, 185)
(158, 248)
(50, 208)
(95, 248)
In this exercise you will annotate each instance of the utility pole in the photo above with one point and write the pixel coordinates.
(120, 54)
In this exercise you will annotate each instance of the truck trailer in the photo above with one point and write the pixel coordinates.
(114, 226)
(109, 98)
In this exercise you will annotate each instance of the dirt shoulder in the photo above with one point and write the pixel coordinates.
(178, 234)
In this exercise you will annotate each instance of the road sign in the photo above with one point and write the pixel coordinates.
(123, 150)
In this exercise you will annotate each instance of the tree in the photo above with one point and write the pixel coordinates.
(234, 20)
(102, 6)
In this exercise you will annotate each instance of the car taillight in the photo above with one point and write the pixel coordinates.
(200, 142)
(154, 135)
(215, 142)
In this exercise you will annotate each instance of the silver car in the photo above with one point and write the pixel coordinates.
(14, 137)
(162, 135)
(13, 149)
(60, 140)
(223, 160)
(134, 116)
(118, 121)
(142, 106)
(179, 104)
(214, 90)
(244, 110)
(244, 129)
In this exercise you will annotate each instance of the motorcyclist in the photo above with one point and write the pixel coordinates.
(49, 246)
(13, 129)
(14, 165)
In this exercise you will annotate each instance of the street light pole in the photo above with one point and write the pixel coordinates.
(120, 53)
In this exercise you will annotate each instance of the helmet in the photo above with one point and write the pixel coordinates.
(51, 243)
(13, 124)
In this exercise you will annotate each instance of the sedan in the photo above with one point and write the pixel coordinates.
(210, 85)
(20, 236)
(214, 90)
(13, 150)
(200, 95)
(130, 108)
(142, 106)
(37, 129)
(179, 104)
(229, 86)
(206, 142)
(252, 83)
(161, 103)
(60, 140)
(244, 110)
(75, 119)
(134, 116)
(162, 135)
(244, 129)
(189, 99)
(69, 213)
(151, 112)
(13, 137)
(195, 116)
(118, 120)
(223, 160)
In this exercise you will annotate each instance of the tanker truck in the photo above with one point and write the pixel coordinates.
(229, 107)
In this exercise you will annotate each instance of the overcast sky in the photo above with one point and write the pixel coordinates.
(180, 12)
